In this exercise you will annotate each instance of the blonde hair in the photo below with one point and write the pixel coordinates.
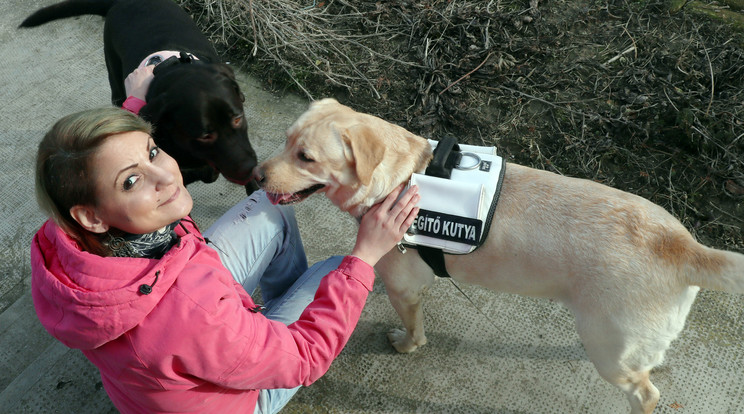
(63, 169)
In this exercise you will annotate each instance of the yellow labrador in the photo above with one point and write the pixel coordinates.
(625, 267)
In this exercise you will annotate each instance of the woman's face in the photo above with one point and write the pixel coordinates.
(138, 186)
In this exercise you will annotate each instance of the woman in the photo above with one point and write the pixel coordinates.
(122, 273)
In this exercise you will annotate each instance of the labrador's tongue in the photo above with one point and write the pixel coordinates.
(277, 198)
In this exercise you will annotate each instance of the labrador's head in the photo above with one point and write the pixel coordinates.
(356, 159)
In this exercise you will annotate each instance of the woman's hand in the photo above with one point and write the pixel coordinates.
(383, 226)
(137, 82)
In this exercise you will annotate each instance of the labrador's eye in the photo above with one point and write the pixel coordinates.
(304, 157)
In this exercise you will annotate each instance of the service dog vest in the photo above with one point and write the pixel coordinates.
(459, 193)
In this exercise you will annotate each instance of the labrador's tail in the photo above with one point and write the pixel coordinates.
(716, 269)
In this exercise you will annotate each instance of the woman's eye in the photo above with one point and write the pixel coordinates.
(154, 152)
(304, 157)
(130, 182)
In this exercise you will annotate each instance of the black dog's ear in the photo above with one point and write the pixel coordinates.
(228, 71)
(225, 70)
(154, 109)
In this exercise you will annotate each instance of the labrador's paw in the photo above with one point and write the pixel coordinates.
(402, 342)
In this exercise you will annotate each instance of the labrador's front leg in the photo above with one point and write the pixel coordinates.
(406, 276)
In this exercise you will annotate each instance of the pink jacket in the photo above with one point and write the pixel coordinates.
(192, 345)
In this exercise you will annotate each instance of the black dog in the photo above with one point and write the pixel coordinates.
(194, 101)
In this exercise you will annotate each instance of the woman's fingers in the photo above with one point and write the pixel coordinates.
(385, 223)
(137, 82)
(411, 217)
(406, 205)
(389, 201)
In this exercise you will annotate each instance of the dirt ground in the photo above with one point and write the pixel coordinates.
(625, 93)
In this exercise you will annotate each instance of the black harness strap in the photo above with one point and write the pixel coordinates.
(435, 259)
(183, 57)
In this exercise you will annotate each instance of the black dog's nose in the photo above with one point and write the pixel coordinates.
(251, 187)
(258, 175)
(255, 182)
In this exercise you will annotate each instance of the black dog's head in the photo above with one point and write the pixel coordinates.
(197, 111)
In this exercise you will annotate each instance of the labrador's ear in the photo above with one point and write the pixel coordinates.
(367, 149)
(88, 218)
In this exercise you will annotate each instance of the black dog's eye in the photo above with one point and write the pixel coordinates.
(304, 158)
(208, 138)
(236, 121)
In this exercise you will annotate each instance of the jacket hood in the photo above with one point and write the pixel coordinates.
(85, 300)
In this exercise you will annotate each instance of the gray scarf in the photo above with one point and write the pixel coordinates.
(151, 245)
